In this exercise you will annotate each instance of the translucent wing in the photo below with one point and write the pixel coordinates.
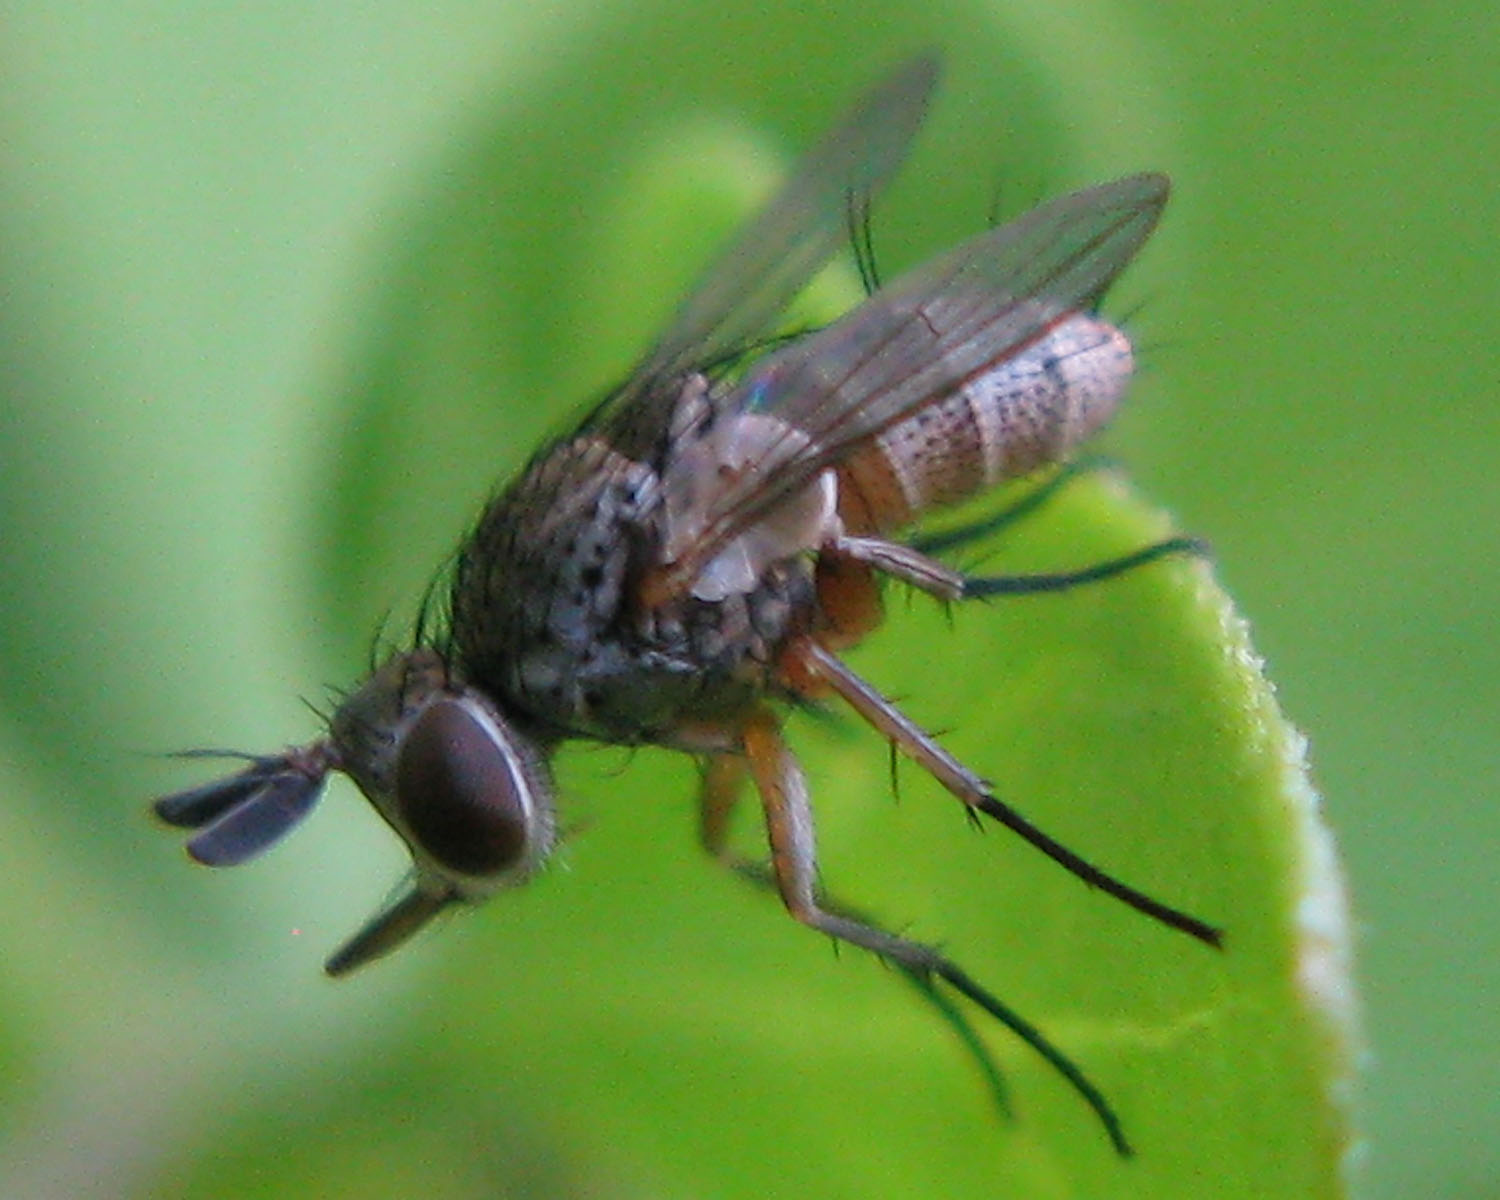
(913, 343)
(773, 257)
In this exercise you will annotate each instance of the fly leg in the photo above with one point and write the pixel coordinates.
(721, 783)
(978, 586)
(950, 539)
(719, 786)
(910, 565)
(808, 663)
(789, 826)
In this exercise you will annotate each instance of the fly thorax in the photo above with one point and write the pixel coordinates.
(541, 583)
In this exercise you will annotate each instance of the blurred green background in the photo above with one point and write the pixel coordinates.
(226, 234)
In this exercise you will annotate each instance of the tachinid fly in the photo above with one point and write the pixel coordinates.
(692, 558)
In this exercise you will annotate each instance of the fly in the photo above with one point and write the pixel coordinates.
(692, 559)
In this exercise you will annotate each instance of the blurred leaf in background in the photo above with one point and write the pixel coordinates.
(286, 290)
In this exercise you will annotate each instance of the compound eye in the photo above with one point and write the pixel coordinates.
(463, 789)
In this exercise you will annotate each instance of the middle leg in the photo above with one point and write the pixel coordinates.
(806, 660)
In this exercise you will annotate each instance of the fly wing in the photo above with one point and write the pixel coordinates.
(915, 342)
(772, 258)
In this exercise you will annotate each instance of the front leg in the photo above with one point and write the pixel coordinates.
(789, 825)
(720, 785)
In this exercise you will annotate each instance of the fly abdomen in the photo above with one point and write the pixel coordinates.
(1032, 409)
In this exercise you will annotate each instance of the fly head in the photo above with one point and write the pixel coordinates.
(468, 792)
